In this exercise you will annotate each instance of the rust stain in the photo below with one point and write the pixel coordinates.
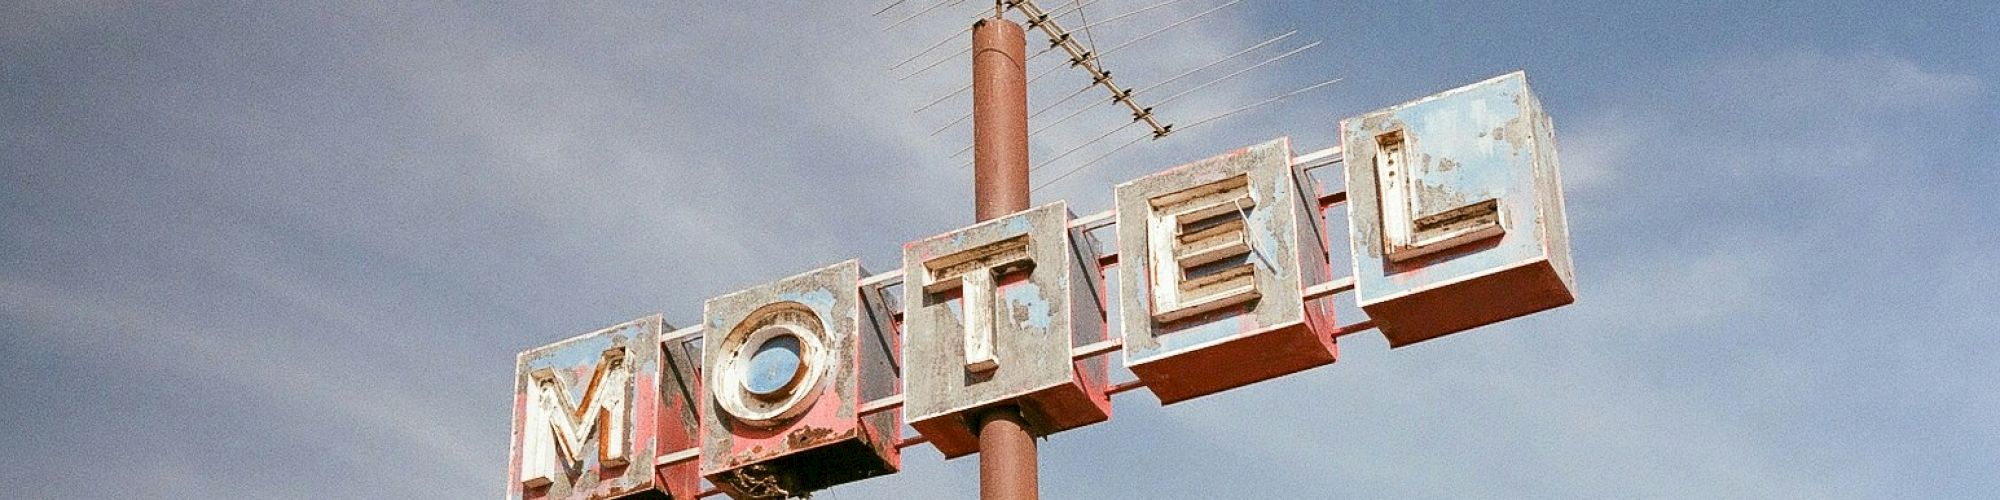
(1445, 165)
(806, 436)
(1380, 121)
(1520, 134)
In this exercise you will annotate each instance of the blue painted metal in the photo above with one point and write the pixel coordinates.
(1040, 313)
(1489, 140)
(805, 431)
(650, 424)
(773, 365)
(1274, 334)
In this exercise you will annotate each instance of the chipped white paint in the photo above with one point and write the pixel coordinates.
(557, 427)
(1190, 232)
(731, 374)
(974, 272)
(1407, 235)
(978, 305)
(1475, 234)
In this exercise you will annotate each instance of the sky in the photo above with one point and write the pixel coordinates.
(290, 249)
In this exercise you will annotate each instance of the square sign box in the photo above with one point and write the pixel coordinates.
(991, 313)
(588, 419)
(1457, 211)
(789, 365)
(1217, 254)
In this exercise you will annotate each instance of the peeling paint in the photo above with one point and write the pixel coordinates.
(629, 385)
(1240, 343)
(1042, 310)
(1487, 180)
(1028, 307)
(786, 450)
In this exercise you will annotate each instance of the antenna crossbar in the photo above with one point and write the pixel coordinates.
(1140, 38)
(1082, 58)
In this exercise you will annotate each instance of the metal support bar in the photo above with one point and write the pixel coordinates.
(1095, 221)
(885, 280)
(1328, 200)
(1327, 289)
(681, 334)
(882, 405)
(999, 119)
(1096, 349)
(909, 441)
(678, 457)
(1123, 387)
(1353, 328)
(1315, 160)
(1008, 468)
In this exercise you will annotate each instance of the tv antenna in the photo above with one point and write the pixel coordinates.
(1069, 31)
(1002, 141)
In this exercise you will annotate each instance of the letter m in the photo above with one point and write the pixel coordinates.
(557, 428)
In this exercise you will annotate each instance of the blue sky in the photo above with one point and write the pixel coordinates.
(289, 250)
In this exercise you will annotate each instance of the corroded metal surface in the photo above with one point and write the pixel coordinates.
(1456, 221)
(1259, 223)
(1457, 211)
(999, 118)
(679, 420)
(1000, 186)
(586, 415)
(1007, 461)
(751, 453)
(1040, 311)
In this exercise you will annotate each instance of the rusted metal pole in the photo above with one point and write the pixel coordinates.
(1007, 465)
(1007, 468)
(999, 118)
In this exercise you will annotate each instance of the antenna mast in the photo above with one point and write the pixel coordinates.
(1007, 461)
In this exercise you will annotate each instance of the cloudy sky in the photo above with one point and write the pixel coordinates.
(289, 249)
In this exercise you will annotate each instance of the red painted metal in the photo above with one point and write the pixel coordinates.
(999, 118)
(679, 415)
(1007, 462)
(1107, 260)
(826, 441)
(1257, 326)
(1007, 468)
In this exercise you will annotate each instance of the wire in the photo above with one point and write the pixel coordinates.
(1129, 43)
(1059, 102)
(1263, 102)
(1217, 61)
(1238, 72)
(1081, 146)
(1080, 111)
(919, 71)
(954, 123)
(921, 13)
(1093, 161)
(968, 48)
(891, 5)
(1196, 123)
(1115, 18)
(1059, 121)
(1087, 35)
(934, 46)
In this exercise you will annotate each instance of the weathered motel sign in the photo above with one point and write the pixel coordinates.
(1456, 221)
